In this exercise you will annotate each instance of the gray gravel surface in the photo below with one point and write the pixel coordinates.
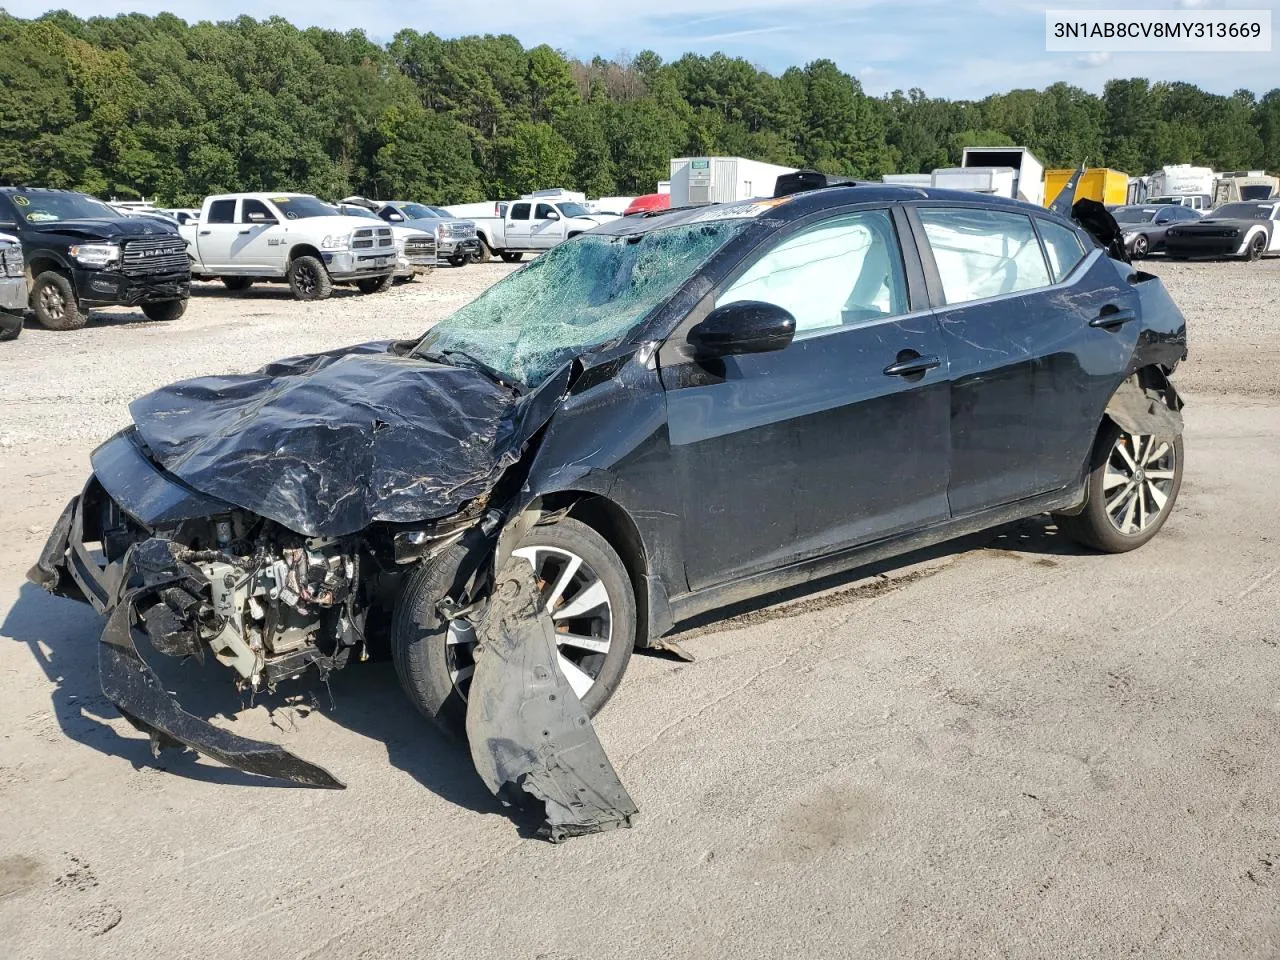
(1006, 747)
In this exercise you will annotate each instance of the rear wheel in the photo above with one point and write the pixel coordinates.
(509, 257)
(164, 311)
(375, 284)
(53, 299)
(484, 253)
(308, 279)
(237, 283)
(1257, 246)
(1131, 491)
(586, 588)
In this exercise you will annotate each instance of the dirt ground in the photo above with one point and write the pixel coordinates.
(1006, 747)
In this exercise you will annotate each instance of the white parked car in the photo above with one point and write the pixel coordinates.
(294, 237)
(416, 250)
(532, 226)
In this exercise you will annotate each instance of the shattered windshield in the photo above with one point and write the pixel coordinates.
(578, 295)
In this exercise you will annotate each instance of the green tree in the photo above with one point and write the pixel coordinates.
(532, 157)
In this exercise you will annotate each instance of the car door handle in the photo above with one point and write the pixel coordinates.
(247, 230)
(906, 366)
(205, 233)
(1109, 320)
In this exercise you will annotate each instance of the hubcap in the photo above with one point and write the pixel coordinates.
(53, 302)
(579, 605)
(1138, 482)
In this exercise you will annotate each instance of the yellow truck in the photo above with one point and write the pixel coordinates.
(1110, 187)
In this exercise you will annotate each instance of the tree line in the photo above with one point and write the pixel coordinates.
(133, 105)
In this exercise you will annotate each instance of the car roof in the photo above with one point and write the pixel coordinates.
(796, 206)
(260, 195)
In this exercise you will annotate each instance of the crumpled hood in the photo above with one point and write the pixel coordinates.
(325, 444)
(106, 229)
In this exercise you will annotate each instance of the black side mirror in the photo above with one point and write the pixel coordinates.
(748, 326)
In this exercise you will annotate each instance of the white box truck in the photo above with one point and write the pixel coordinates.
(701, 180)
(1183, 184)
(995, 181)
(1028, 172)
(908, 179)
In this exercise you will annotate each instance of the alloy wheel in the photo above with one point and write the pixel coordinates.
(306, 278)
(53, 301)
(1138, 482)
(580, 607)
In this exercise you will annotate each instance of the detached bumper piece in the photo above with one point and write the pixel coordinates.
(150, 576)
(529, 735)
(142, 700)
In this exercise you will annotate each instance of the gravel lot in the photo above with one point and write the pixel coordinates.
(1003, 748)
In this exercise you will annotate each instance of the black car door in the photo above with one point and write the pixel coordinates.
(1039, 335)
(837, 439)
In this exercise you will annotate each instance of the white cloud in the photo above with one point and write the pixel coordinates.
(1097, 58)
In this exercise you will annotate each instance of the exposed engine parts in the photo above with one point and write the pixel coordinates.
(267, 608)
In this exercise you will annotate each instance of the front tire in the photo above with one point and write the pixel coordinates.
(375, 284)
(595, 612)
(1141, 246)
(53, 299)
(237, 284)
(460, 259)
(508, 257)
(1131, 491)
(1256, 248)
(165, 310)
(309, 280)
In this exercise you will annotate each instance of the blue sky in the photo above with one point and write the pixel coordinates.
(962, 48)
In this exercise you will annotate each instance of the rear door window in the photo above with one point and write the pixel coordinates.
(983, 253)
(520, 211)
(1063, 247)
(222, 211)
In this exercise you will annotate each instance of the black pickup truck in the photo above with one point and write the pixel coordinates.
(80, 253)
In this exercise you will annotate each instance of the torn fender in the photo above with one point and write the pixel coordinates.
(529, 735)
(1142, 411)
(142, 699)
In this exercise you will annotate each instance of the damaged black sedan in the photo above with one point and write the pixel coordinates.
(667, 415)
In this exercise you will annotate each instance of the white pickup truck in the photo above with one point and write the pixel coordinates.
(294, 237)
(532, 226)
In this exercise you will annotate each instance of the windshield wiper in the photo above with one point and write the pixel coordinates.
(493, 373)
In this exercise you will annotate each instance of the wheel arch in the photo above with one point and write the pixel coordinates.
(611, 520)
(43, 262)
(305, 250)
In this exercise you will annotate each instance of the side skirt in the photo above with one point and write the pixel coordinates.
(689, 605)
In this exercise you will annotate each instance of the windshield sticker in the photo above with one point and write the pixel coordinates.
(21, 201)
(281, 199)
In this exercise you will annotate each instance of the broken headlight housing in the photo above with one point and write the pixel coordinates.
(11, 260)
